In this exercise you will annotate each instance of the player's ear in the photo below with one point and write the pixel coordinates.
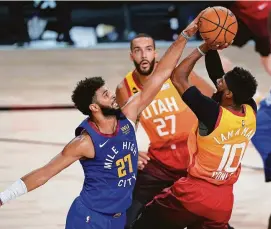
(228, 94)
(94, 107)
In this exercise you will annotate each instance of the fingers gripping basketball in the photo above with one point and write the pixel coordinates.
(218, 25)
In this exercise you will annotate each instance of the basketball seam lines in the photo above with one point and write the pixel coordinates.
(218, 25)
(215, 24)
(225, 41)
(209, 30)
(226, 31)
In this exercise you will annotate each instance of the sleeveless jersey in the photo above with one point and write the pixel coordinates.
(167, 119)
(216, 157)
(111, 175)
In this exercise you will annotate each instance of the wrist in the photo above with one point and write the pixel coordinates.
(17, 189)
(203, 49)
(185, 35)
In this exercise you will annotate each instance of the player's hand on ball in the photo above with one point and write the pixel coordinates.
(192, 28)
(142, 160)
(219, 47)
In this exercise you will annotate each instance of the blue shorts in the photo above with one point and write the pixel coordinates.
(81, 217)
(262, 138)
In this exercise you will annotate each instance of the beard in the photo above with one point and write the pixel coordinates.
(109, 111)
(145, 72)
(218, 96)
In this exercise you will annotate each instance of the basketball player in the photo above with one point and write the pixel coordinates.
(167, 121)
(105, 144)
(226, 124)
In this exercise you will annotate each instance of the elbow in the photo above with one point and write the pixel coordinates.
(176, 79)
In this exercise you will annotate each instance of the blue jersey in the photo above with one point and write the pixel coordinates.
(111, 175)
(267, 101)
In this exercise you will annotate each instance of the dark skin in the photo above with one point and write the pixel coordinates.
(181, 73)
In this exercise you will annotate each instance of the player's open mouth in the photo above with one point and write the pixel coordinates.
(145, 64)
(115, 104)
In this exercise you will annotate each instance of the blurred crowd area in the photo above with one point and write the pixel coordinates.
(71, 22)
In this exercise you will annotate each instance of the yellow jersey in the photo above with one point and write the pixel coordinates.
(217, 157)
(167, 119)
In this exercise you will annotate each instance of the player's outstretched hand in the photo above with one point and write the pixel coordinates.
(192, 28)
(142, 160)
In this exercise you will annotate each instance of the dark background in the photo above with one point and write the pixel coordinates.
(128, 18)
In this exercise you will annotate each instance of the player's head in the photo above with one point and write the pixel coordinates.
(91, 97)
(143, 53)
(236, 87)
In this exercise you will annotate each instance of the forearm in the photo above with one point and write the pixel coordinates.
(169, 60)
(182, 72)
(35, 179)
(26, 184)
(214, 65)
(79, 147)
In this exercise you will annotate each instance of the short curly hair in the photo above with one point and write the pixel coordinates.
(242, 84)
(84, 93)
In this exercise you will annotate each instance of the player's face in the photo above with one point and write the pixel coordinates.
(143, 55)
(222, 90)
(106, 100)
(221, 84)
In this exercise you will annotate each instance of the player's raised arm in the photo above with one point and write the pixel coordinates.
(212, 61)
(181, 73)
(161, 73)
(214, 65)
(79, 147)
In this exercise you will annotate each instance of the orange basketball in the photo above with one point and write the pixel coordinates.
(218, 25)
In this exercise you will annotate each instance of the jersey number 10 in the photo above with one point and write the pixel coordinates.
(228, 157)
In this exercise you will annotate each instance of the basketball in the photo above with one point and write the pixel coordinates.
(217, 25)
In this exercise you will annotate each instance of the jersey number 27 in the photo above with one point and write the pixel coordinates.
(163, 129)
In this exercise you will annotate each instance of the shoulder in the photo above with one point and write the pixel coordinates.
(122, 85)
(81, 145)
(251, 109)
